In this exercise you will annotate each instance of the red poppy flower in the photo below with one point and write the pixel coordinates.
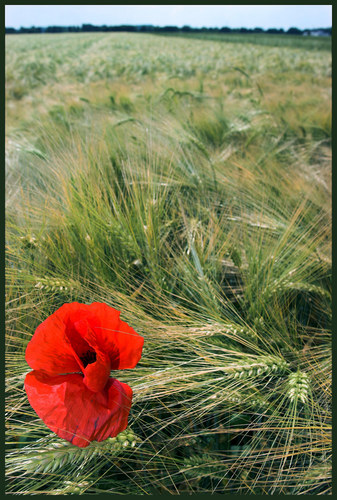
(70, 388)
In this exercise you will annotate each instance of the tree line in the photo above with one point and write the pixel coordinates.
(165, 29)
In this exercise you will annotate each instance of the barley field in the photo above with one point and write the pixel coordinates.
(186, 183)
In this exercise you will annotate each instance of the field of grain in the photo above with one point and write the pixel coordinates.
(186, 183)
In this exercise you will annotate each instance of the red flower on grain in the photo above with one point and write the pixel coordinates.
(70, 388)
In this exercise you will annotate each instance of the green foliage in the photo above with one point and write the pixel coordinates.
(265, 39)
(187, 184)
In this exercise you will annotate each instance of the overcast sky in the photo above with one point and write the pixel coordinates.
(233, 16)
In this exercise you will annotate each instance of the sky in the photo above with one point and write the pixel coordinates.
(197, 16)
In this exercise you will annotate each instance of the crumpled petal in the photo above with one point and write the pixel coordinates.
(49, 348)
(75, 413)
(118, 339)
(96, 374)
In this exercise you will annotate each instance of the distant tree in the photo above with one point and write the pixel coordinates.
(148, 28)
(56, 29)
(88, 27)
(24, 30)
(144, 28)
(125, 27)
(170, 28)
(33, 29)
(275, 31)
(294, 31)
(225, 29)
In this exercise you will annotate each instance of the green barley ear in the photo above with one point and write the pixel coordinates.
(50, 284)
(203, 466)
(29, 242)
(235, 256)
(298, 386)
(243, 400)
(72, 488)
(127, 245)
(315, 474)
(231, 329)
(60, 453)
(261, 367)
(195, 141)
(287, 285)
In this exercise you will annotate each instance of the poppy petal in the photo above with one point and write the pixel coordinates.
(96, 371)
(49, 348)
(118, 339)
(74, 412)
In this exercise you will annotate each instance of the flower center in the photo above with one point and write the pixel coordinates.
(88, 357)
